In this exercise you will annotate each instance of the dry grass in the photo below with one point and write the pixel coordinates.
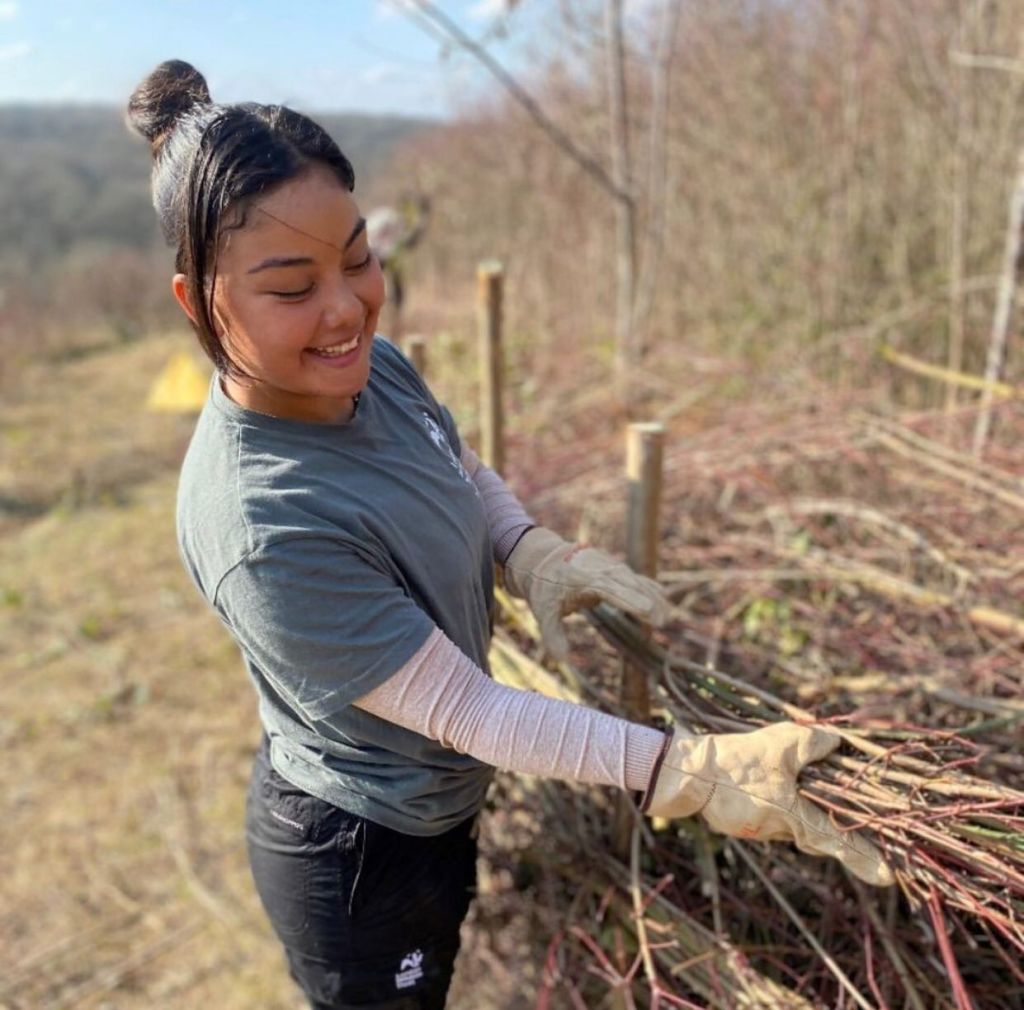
(127, 727)
(74, 431)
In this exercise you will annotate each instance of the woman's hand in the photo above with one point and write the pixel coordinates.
(557, 577)
(744, 785)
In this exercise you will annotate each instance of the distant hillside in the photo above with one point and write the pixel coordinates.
(75, 175)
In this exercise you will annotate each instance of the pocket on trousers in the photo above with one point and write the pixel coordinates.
(276, 844)
(282, 824)
(334, 863)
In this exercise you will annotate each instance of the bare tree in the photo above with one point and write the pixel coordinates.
(630, 314)
(657, 165)
(796, 176)
(626, 350)
(958, 212)
(1013, 268)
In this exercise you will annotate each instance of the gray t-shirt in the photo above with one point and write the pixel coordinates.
(331, 552)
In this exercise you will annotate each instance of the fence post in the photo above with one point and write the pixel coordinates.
(644, 452)
(416, 350)
(489, 277)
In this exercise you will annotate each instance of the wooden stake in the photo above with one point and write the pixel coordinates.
(416, 350)
(489, 276)
(644, 452)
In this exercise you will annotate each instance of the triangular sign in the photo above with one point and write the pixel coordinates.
(181, 387)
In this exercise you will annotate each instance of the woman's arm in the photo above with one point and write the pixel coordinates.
(556, 576)
(442, 694)
(507, 520)
(743, 784)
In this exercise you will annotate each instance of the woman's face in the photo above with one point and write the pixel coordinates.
(296, 301)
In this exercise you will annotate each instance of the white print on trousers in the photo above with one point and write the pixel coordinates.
(287, 820)
(410, 971)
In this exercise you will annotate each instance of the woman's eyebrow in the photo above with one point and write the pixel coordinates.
(356, 231)
(281, 261)
(303, 261)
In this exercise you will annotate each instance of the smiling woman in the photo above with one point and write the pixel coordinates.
(232, 184)
(351, 555)
(300, 322)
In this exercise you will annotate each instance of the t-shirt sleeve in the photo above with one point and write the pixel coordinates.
(321, 621)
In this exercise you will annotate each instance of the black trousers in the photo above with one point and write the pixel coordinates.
(369, 917)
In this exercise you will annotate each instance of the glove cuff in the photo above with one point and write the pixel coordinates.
(503, 552)
(648, 793)
(681, 787)
(532, 548)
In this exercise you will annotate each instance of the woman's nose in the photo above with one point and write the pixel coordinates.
(343, 307)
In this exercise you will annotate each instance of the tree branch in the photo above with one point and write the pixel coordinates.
(985, 61)
(454, 33)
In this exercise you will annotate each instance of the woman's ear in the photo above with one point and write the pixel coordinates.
(179, 286)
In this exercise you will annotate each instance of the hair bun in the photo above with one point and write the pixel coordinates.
(170, 91)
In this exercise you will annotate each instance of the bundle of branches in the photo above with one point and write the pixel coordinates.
(871, 560)
(845, 559)
(955, 840)
(746, 945)
(852, 567)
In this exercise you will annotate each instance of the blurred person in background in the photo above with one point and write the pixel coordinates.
(393, 233)
(347, 538)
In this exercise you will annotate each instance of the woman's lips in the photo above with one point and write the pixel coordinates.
(338, 355)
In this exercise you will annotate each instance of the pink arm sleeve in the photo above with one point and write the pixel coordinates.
(506, 518)
(442, 694)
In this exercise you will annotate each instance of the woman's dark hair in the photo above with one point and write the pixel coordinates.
(209, 162)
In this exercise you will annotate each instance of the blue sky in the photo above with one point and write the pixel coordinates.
(352, 55)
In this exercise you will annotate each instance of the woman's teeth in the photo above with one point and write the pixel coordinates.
(337, 349)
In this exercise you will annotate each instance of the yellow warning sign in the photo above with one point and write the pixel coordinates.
(181, 387)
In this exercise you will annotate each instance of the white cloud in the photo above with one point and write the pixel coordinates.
(8, 10)
(14, 51)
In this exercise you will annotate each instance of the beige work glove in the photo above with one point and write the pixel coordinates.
(557, 577)
(744, 785)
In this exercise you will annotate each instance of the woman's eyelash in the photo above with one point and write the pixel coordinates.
(355, 267)
(293, 294)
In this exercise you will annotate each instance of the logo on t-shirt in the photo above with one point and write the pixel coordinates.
(410, 971)
(440, 439)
